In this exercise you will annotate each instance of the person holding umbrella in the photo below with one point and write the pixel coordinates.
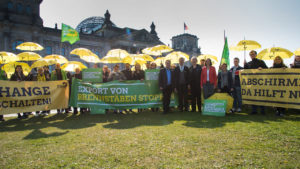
(255, 64)
(278, 63)
(58, 74)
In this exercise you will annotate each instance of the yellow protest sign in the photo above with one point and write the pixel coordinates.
(271, 87)
(17, 97)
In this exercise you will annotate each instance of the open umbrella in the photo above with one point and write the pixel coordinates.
(90, 58)
(245, 45)
(159, 61)
(53, 59)
(40, 63)
(30, 46)
(117, 53)
(81, 52)
(157, 50)
(72, 65)
(9, 68)
(297, 52)
(206, 56)
(29, 56)
(6, 57)
(175, 56)
(145, 57)
(133, 61)
(115, 59)
(271, 53)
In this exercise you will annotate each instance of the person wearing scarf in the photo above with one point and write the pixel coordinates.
(278, 64)
(224, 80)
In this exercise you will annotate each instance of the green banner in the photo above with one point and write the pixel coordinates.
(214, 107)
(151, 74)
(93, 75)
(118, 95)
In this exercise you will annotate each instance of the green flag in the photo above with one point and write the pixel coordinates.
(225, 55)
(69, 34)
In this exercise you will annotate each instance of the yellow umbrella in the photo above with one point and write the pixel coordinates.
(115, 59)
(175, 56)
(40, 63)
(6, 57)
(159, 61)
(145, 57)
(297, 52)
(81, 52)
(30, 46)
(157, 50)
(117, 53)
(53, 59)
(271, 53)
(29, 56)
(9, 68)
(206, 56)
(90, 58)
(133, 61)
(223, 96)
(245, 45)
(72, 65)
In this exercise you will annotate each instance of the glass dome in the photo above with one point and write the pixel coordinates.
(91, 24)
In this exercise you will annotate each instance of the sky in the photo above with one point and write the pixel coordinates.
(272, 23)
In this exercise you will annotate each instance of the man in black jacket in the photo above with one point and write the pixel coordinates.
(181, 85)
(166, 85)
(127, 72)
(255, 64)
(194, 84)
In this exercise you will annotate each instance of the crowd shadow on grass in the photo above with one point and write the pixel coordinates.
(128, 121)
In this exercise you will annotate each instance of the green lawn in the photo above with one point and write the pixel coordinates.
(151, 140)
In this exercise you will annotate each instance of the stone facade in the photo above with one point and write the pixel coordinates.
(186, 43)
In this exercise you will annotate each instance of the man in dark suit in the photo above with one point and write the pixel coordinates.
(194, 84)
(181, 85)
(166, 84)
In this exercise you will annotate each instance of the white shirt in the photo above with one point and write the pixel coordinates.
(207, 75)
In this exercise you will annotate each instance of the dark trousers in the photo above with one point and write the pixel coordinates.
(167, 91)
(182, 97)
(196, 97)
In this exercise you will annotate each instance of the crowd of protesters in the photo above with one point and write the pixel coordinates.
(181, 79)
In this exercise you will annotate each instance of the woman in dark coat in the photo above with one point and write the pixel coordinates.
(19, 76)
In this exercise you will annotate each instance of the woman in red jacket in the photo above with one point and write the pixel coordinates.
(208, 79)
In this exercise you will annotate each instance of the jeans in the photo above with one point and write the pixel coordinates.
(237, 96)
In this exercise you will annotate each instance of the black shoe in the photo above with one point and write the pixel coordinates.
(2, 119)
(193, 110)
(253, 113)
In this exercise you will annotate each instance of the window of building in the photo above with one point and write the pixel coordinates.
(15, 44)
(10, 5)
(62, 51)
(48, 50)
(28, 9)
(19, 7)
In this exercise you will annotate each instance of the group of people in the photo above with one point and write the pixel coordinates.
(204, 77)
(180, 79)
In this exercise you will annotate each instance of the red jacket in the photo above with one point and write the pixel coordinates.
(212, 76)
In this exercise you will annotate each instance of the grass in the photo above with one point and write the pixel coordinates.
(151, 140)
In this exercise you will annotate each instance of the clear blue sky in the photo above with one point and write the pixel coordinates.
(269, 22)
